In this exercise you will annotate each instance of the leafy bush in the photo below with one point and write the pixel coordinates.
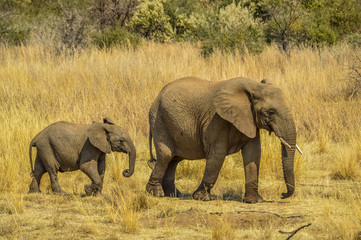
(178, 12)
(318, 32)
(339, 19)
(354, 40)
(230, 29)
(116, 36)
(151, 21)
(12, 33)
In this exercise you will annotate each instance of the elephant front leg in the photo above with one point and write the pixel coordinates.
(211, 172)
(90, 168)
(251, 153)
(101, 168)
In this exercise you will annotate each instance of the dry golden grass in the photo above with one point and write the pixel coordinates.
(38, 88)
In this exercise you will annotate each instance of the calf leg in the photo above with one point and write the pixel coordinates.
(51, 165)
(101, 168)
(39, 171)
(90, 168)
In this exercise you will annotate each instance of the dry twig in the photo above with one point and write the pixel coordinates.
(294, 231)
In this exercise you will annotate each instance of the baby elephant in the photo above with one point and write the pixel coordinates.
(65, 146)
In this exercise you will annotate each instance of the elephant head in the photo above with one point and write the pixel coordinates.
(109, 137)
(249, 105)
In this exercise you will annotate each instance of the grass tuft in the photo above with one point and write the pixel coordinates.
(14, 204)
(222, 229)
(347, 163)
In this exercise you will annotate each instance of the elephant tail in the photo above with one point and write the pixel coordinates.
(152, 160)
(32, 144)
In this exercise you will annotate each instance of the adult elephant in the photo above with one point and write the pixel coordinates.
(65, 146)
(192, 118)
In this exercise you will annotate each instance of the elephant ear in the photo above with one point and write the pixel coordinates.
(232, 104)
(97, 134)
(108, 120)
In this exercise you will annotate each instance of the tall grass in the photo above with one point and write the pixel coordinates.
(38, 88)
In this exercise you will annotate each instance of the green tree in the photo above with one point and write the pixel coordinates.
(285, 24)
(339, 19)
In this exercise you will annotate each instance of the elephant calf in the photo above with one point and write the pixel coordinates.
(65, 146)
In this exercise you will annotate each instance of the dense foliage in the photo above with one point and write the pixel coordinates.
(217, 25)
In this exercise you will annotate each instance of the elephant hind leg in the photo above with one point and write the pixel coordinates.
(169, 177)
(164, 157)
(39, 171)
(46, 155)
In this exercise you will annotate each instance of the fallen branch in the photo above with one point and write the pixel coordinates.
(294, 231)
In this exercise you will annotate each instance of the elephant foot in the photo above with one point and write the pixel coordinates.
(92, 189)
(34, 191)
(155, 190)
(203, 195)
(60, 192)
(251, 195)
(172, 192)
(252, 198)
(34, 188)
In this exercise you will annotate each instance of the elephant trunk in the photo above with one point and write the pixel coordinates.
(287, 134)
(132, 156)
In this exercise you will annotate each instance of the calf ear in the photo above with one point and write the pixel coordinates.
(97, 134)
(108, 120)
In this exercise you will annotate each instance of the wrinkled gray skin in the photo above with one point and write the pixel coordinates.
(193, 119)
(65, 146)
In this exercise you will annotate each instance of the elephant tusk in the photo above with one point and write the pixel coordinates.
(299, 149)
(285, 143)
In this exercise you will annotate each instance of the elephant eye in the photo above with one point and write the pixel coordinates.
(271, 112)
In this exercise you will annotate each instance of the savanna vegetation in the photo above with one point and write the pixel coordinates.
(225, 25)
(80, 61)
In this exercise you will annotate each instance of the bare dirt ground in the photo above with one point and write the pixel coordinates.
(49, 216)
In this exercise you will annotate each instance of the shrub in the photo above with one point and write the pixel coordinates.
(116, 36)
(178, 12)
(230, 29)
(339, 19)
(151, 21)
(12, 33)
(354, 40)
